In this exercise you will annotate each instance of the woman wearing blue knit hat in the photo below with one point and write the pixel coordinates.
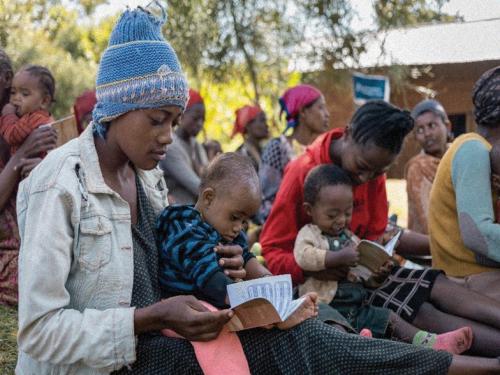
(90, 301)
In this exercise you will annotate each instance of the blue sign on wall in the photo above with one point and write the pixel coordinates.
(366, 87)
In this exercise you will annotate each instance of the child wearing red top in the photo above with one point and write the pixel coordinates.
(32, 93)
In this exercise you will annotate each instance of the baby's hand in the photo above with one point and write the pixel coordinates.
(349, 255)
(383, 272)
(8, 109)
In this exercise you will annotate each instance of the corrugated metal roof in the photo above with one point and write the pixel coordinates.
(435, 44)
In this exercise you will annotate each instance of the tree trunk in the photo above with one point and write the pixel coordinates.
(241, 44)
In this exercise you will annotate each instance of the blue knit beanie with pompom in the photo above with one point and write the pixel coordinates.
(138, 70)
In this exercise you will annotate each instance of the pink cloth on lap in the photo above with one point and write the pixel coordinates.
(224, 355)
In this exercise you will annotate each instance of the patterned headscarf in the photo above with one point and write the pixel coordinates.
(194, 98)
(486, 98)
(294, 99)
(138, 70)
(84, 104)
(244, 116)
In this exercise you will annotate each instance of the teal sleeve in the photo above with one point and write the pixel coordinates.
(470, 173)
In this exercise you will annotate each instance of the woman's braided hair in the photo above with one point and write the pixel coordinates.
(382, 124)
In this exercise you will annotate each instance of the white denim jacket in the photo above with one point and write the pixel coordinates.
(76, 265)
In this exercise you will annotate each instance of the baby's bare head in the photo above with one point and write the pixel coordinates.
(230, 172)
(229, 194)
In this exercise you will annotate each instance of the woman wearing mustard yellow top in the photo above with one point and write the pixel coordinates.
(465, 240)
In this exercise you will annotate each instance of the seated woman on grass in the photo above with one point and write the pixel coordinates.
(184, 165)
(432, 132)
(12, 170)
(90, 297)
(465, 239)
(307, 117)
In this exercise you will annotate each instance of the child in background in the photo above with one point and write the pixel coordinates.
(32, 93)
(495, 178)
(187, 235)
(326, 243)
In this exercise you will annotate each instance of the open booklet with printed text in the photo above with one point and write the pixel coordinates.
(373, 255)
(261, 302)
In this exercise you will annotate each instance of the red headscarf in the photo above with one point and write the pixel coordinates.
(84, 104)
(194, 98)
(244, 115)
(296, 98)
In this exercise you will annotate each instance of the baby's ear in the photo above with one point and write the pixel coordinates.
(46, 102)
(307, 208)
(207, 196)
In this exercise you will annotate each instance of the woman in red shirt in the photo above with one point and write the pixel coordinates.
(365, 149)
(354, 149)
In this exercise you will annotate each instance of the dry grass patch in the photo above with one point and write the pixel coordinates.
(8, 345)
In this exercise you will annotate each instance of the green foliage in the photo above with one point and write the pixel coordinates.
(257, 34)
(215, 39)
(96, 38)
(192, 28)
(235, 51)
(89, 6)
(339, 45)
(48, 33)
(222, 100)
(398, 13)
(55, 43)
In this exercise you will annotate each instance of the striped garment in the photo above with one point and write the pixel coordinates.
(15, 129)
(188, 263)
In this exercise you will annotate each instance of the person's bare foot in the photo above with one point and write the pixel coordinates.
(308, 309)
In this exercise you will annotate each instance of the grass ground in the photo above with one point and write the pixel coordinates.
(396, 193)
(8, 347)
